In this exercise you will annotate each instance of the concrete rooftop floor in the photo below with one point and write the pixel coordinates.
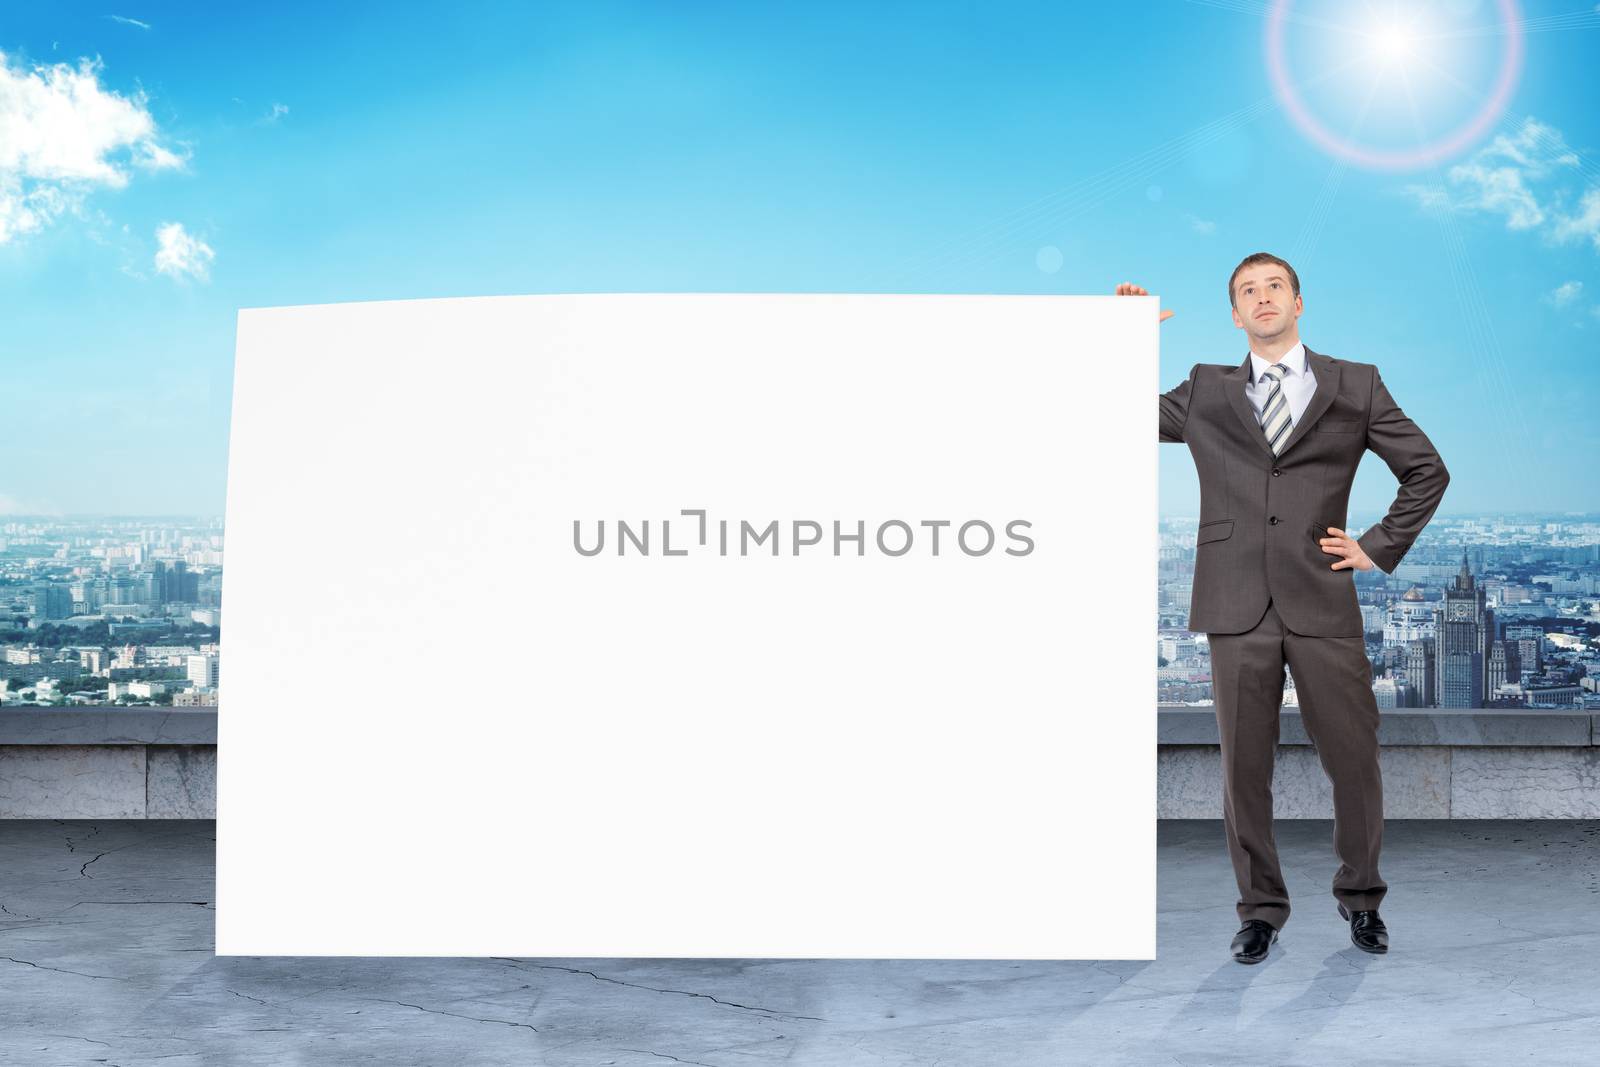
(107, 958)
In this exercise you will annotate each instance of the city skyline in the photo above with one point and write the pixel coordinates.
(1498, 611)
(1458, 624)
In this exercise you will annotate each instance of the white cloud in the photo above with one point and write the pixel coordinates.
(181, 254)
(1501, 190)
(1204, 227)
(1429, 196)
(62, 135)
(1535, 146)
(126, 21)
(1528, 178)
(277, 112)
(1585, 223)
(1565, 293)
(152, 156)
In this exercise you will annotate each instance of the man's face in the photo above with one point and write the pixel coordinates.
(1264, 303)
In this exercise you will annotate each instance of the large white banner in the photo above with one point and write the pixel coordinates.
(691, 625)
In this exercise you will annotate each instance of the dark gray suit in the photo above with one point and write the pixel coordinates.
(1266, 595)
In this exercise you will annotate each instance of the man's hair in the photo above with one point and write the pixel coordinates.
(1252, 260)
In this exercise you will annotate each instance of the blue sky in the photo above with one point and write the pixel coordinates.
(214, 158)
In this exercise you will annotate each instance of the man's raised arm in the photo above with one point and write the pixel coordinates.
(1175, 408)
(1413, 459)
(1174, 404)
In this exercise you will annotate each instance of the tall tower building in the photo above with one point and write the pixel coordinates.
(1529, 645)
(1421, 674)
(1502, 666)
(1465, 634)
(53, 600)
(178, 586)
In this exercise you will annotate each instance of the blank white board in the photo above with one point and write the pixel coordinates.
(445, 730)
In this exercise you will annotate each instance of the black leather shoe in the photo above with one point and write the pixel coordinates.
(1254, 938)
(1367, 931)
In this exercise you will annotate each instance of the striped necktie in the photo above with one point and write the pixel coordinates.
(1275, 421)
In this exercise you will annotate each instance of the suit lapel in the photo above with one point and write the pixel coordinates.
(1327, 374)
(1238, 379)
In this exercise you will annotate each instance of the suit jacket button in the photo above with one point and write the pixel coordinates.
(1276, 472)
(1273, 520)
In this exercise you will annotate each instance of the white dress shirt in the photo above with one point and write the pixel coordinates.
(1298, 382)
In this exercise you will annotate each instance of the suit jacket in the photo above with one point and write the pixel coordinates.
(1261, 517)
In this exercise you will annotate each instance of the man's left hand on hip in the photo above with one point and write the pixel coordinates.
(1348, 547)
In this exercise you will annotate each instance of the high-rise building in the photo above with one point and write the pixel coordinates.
(53, 600)
(1389, 692)
(1465, 628)
(202, 670)
(1422, 677)
(1529, 642)
(1502, 666)
(178, 584)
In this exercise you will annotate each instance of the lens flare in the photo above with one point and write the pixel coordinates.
(1395, 48)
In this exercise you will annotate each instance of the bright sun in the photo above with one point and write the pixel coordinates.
(1395, 41)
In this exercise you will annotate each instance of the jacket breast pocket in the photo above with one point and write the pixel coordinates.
(1217, 530)
(1338, 426)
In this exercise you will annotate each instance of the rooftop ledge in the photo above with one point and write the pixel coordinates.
(161, 763)
(107, 725)
(1458, 727)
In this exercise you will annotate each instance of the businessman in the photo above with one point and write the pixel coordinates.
(1276, 441)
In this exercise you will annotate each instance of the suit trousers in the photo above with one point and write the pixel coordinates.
(1333, 680)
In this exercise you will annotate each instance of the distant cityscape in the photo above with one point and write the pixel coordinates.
(1488, 612)
(110, 611)
(1482, 613)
